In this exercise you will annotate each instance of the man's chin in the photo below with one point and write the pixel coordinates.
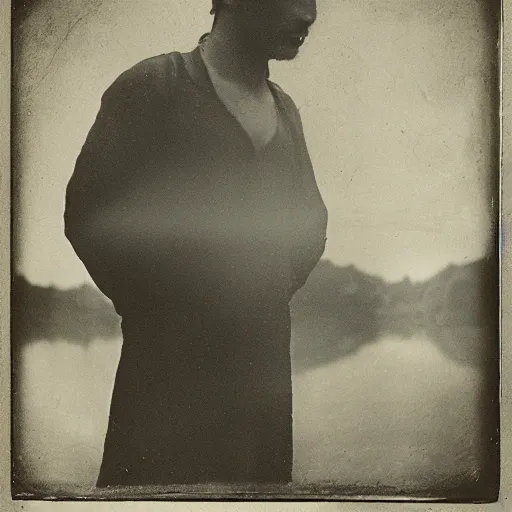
(288, 53)
(285, 59)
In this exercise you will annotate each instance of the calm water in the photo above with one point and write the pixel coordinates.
(391, 412)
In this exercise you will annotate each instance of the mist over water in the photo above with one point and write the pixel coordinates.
(391, 412)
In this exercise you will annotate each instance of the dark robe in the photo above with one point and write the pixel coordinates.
(200, 241)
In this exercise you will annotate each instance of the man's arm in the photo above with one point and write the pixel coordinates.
(308, 249)
(95, 213)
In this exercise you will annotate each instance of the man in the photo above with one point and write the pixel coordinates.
(194, 207)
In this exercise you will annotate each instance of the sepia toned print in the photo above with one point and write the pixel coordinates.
(394, 333)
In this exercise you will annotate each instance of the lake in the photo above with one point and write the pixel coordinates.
(393, 412)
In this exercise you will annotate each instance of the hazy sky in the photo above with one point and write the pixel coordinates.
(394, 98)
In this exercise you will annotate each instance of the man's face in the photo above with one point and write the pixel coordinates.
(277, 28)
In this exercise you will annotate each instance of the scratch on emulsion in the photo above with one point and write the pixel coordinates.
(70, 29)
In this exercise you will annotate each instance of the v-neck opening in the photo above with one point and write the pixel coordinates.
(279, 111)
(259, 152)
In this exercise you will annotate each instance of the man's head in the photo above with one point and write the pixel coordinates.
(274, 28)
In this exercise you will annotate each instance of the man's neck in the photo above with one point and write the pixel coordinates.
(233, 62)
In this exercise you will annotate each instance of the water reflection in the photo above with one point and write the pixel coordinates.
(341, 310)
(322, 340)
(397, 412)
(394, 412)
(466, 344)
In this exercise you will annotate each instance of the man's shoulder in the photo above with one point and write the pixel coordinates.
(151, 72)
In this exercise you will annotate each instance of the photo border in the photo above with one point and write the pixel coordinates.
(366, 503)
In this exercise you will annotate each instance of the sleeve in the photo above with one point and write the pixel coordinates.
(110, 160)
